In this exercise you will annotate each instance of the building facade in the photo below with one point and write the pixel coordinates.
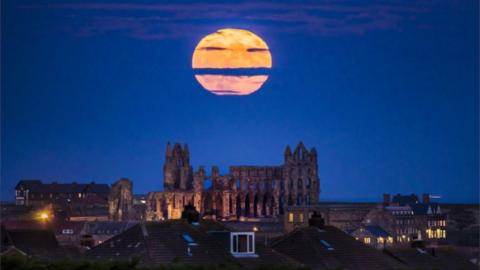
(407, 219)
(244, 192)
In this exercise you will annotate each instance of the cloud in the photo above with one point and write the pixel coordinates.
(173, 20)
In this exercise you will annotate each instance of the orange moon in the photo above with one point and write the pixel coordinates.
(225, 60)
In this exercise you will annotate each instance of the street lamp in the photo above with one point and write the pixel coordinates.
(44, 216)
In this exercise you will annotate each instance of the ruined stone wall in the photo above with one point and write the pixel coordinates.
(246, 191)
(120, 200)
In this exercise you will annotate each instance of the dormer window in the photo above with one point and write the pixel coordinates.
(242, 244)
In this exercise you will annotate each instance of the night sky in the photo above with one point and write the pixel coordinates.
(386, 91)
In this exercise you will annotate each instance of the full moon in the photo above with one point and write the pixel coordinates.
(231, 62)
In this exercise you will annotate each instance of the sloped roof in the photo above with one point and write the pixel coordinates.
(40, 243)
(90, 211)
(109, 227)
(162, 243)
(444, 259)
(422, 209)
(36, 186)
(376, 231)
(310, 246)
(60, 225)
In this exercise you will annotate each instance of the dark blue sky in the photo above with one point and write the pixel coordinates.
(386, 91)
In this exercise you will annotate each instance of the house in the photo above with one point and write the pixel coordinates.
(444, 258)
(68, 233)
(101, 231)
(407, 219)
(37, 242)
(327, 247)
(373, 235)
(37, 193)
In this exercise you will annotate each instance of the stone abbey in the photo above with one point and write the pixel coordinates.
(246, 191)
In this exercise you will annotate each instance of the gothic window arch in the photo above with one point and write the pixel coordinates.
(307, 199)
(299, 199)
(299, 183)
(238, 184)
(309, 183)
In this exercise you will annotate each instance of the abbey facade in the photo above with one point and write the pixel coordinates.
(246, 191)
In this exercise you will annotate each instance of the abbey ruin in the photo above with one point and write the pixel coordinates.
(246, 191)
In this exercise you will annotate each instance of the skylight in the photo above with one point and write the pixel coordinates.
(326, 245)
(187, 238)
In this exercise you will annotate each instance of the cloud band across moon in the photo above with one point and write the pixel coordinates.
(231, 62)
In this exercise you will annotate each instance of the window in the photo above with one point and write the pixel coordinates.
(189, 240)
(290, 217)
(242, 244)
(299, 186)
(429, 233)
(366, 240)
(326, 245)
(300, 217)
(299, 199)
(67, 231)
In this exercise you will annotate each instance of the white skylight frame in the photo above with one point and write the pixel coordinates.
(250, 244)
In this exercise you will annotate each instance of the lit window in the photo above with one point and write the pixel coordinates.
(366, 240)
(380, 240)
(300, 217)
(390, 240)
(290, 217)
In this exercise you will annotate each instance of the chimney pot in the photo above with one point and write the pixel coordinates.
(426, 198)
(386, 199)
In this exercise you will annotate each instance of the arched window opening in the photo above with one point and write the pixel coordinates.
(299, 199)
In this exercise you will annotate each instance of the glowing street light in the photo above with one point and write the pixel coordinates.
(44, 216)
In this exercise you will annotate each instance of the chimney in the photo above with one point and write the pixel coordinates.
(316, 221)
(426, 198)
(386, 199)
